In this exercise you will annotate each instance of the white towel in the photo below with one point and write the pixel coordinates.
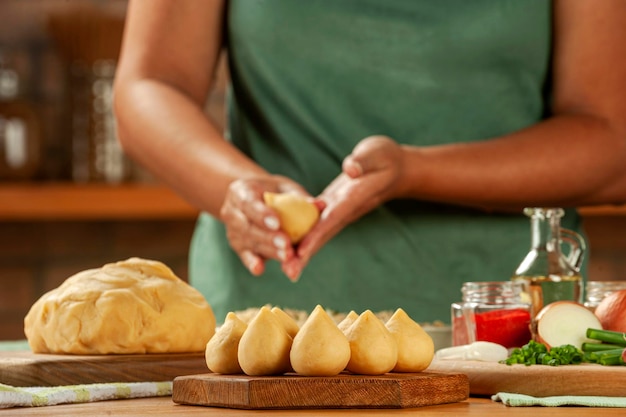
(40, 396)
(520, 400)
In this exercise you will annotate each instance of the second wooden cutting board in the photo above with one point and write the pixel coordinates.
(25, 369)
(488, 378)
(341, 391)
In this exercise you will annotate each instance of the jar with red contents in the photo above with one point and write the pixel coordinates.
(492, 311)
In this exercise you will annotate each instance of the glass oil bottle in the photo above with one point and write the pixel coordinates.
(547, 273)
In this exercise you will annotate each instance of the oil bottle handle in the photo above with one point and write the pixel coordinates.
(577, 247)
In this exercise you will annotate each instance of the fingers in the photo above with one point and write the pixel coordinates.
(244, 236)
(293, 268)
(352, 167)
(254, 263)
(371, 154)
(368, 180)
(252, 228)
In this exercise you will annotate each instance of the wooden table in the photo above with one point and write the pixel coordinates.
(163, 406)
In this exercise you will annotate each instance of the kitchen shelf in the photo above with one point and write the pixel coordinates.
(66, 201)
(600, 211)
(133, 201)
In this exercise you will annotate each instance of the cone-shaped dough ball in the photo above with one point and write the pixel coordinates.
(265, 345)
(373, 350)
(297, 215)
(320, 348)
(128, 307)
(222, 350)
(287, 321)
(347, 321)
(415, 347)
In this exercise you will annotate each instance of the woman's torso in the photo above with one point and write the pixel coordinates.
(311, 79)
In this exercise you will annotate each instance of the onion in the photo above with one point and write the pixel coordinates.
(565, 323)
(612, 311)
(477, 351)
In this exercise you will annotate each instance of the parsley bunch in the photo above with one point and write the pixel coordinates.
(534, 353)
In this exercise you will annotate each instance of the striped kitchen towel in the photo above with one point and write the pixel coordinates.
(520, 400)
(41, 396)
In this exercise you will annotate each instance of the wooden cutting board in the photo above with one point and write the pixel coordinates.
(341, 391)
(25, 369)
(488, 378)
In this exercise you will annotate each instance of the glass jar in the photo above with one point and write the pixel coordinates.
(97, 155)
(492, 311)
(19, 128)
(597, 290)
(547, 272)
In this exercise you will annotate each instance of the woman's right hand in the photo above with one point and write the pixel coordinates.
(253, 228)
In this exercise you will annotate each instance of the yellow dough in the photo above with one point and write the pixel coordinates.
(415, 347)
(373, 350)
(319, 348)
(297, 215)
(287, 321)
(129, 307)
(345, 324)
(221, 351)
(265, 345)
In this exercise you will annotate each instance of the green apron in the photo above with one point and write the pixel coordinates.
(310, 79)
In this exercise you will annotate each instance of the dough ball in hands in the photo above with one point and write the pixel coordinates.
(129, 307)
(296, 213)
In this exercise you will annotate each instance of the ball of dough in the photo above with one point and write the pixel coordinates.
(129, 307)
(297, 215)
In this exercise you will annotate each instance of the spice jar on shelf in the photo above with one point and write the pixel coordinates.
(19, 128)
(96, 153)
(491, 311)
(88, 36)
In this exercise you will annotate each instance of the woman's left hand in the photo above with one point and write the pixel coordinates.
(371, 175)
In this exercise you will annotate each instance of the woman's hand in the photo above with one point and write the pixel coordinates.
(372, 174)
(253, 228)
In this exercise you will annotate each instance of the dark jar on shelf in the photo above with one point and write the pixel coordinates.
(97, 155)
(492, 311)
(20, 143)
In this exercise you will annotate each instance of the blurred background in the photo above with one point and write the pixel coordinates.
(69, 198)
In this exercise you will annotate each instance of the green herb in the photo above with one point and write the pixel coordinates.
(597, 347)
(608, 336)
(527, 354)
(606, 357)
(566, 355)
(535, 353)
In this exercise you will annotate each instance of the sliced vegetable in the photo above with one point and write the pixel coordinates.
(606, 357)
(535, 353)
(609, 349)
(608, 336)
(564, 323)
(598, 347)
(477, 351)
